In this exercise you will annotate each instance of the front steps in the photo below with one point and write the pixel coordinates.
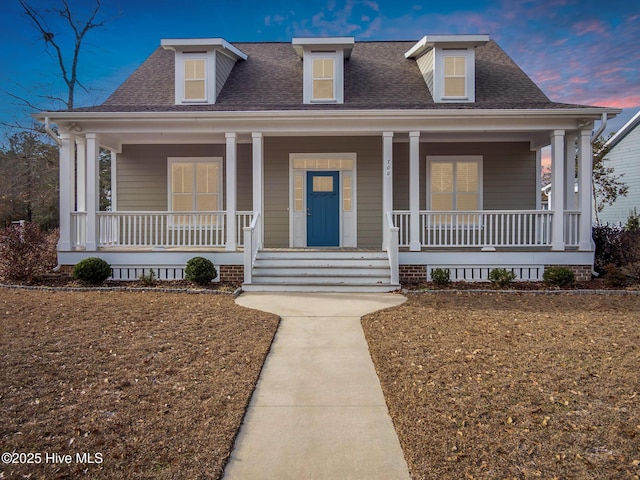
(321, 271)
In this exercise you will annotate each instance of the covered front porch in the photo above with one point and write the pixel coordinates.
(384, 174)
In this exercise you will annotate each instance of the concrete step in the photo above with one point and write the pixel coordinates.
(297, 287)
(321, 271)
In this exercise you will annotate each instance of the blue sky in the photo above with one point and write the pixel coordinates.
(578, 51)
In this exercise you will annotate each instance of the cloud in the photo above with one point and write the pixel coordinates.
(345, 17)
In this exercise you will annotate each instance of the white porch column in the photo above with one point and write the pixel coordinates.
(93, 199)
(67, 190)
(387, 184)
(585, 185)
(231, 164)
(258, 179)
(558, 184)
(538, 179)
(114, 181)
(81, 175)
(414, 191)
(570, 172)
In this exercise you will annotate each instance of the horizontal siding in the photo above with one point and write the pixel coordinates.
(625, 160)
(369, 183)
(224, 65)
(142, 174)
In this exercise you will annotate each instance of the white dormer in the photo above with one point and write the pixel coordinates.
(447, 63)
(323, 67)
(202, 67)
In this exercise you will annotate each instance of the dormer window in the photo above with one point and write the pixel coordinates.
(202, 66)
(195, 79)
(323, 68)
(447, 63)
(324, 79)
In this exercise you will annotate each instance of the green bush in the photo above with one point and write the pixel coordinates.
(614, 276)
(440, 276)
(200, 270)
(92, 270)
(559, 276)
(501, 276)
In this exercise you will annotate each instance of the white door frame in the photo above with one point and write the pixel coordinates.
(345, 164)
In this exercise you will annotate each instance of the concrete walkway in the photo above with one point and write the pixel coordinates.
(318, 411)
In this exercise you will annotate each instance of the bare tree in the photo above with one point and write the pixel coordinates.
(607, 186)
(68, 68)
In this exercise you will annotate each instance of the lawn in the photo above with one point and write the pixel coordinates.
(512, 386)
(123, 385)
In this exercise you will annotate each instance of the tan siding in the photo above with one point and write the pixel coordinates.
(224, 65)
(369, 183)
(244, 178)
(401, 176)
(425, 64)
(142, 173)
(509, 172)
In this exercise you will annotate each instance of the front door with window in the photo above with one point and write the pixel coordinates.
(323, 209)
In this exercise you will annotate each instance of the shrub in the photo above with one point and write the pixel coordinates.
(559, 276)
(608, 240)
(440, 276)
(501, 276)
(148, 279)
(92, 270)
(26, 252)
(614, 276)
(200, 270)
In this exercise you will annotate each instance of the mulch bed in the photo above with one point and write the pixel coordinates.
(128, 384)
(494, 386)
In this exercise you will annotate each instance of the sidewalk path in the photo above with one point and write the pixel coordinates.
(318, 411)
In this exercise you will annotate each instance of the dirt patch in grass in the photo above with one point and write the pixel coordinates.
(497, 386)
(150, 385)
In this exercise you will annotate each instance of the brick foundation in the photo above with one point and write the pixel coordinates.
(412, 273)
(232, 273)
(582, 272)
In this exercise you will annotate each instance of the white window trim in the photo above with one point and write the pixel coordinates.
(338, 82)
(210, 77)
(194, 160)
(351, 217)
(470, 74)
(455, 159)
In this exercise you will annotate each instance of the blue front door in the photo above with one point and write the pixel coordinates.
(323, 209)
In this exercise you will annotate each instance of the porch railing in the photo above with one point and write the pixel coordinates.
(486, 228)
(572, 228)
(159, 229)
(252, 236)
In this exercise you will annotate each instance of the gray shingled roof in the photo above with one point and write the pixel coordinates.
(376, 76)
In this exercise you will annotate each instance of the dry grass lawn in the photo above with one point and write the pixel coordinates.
(504, 386)
(155, 383)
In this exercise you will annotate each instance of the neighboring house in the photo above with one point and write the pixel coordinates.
(624, 157)
(326, 162)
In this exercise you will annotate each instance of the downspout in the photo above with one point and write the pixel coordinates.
(52, 134)
(594, 137)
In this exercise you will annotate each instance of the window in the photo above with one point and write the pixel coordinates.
(455, 183)
(195, 81)
(323, 79)
(455, 77)
(195, 184)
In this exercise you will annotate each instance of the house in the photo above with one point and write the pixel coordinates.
(326, 164)
(624, 157)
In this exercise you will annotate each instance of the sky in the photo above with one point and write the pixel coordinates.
(578, 51)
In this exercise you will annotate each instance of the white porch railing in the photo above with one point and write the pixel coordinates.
(572, 228)
(252, 235)
(486, 228)
(161, 229)
(243, 220)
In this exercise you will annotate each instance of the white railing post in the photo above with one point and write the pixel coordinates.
(392, 250)
(252, 245)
